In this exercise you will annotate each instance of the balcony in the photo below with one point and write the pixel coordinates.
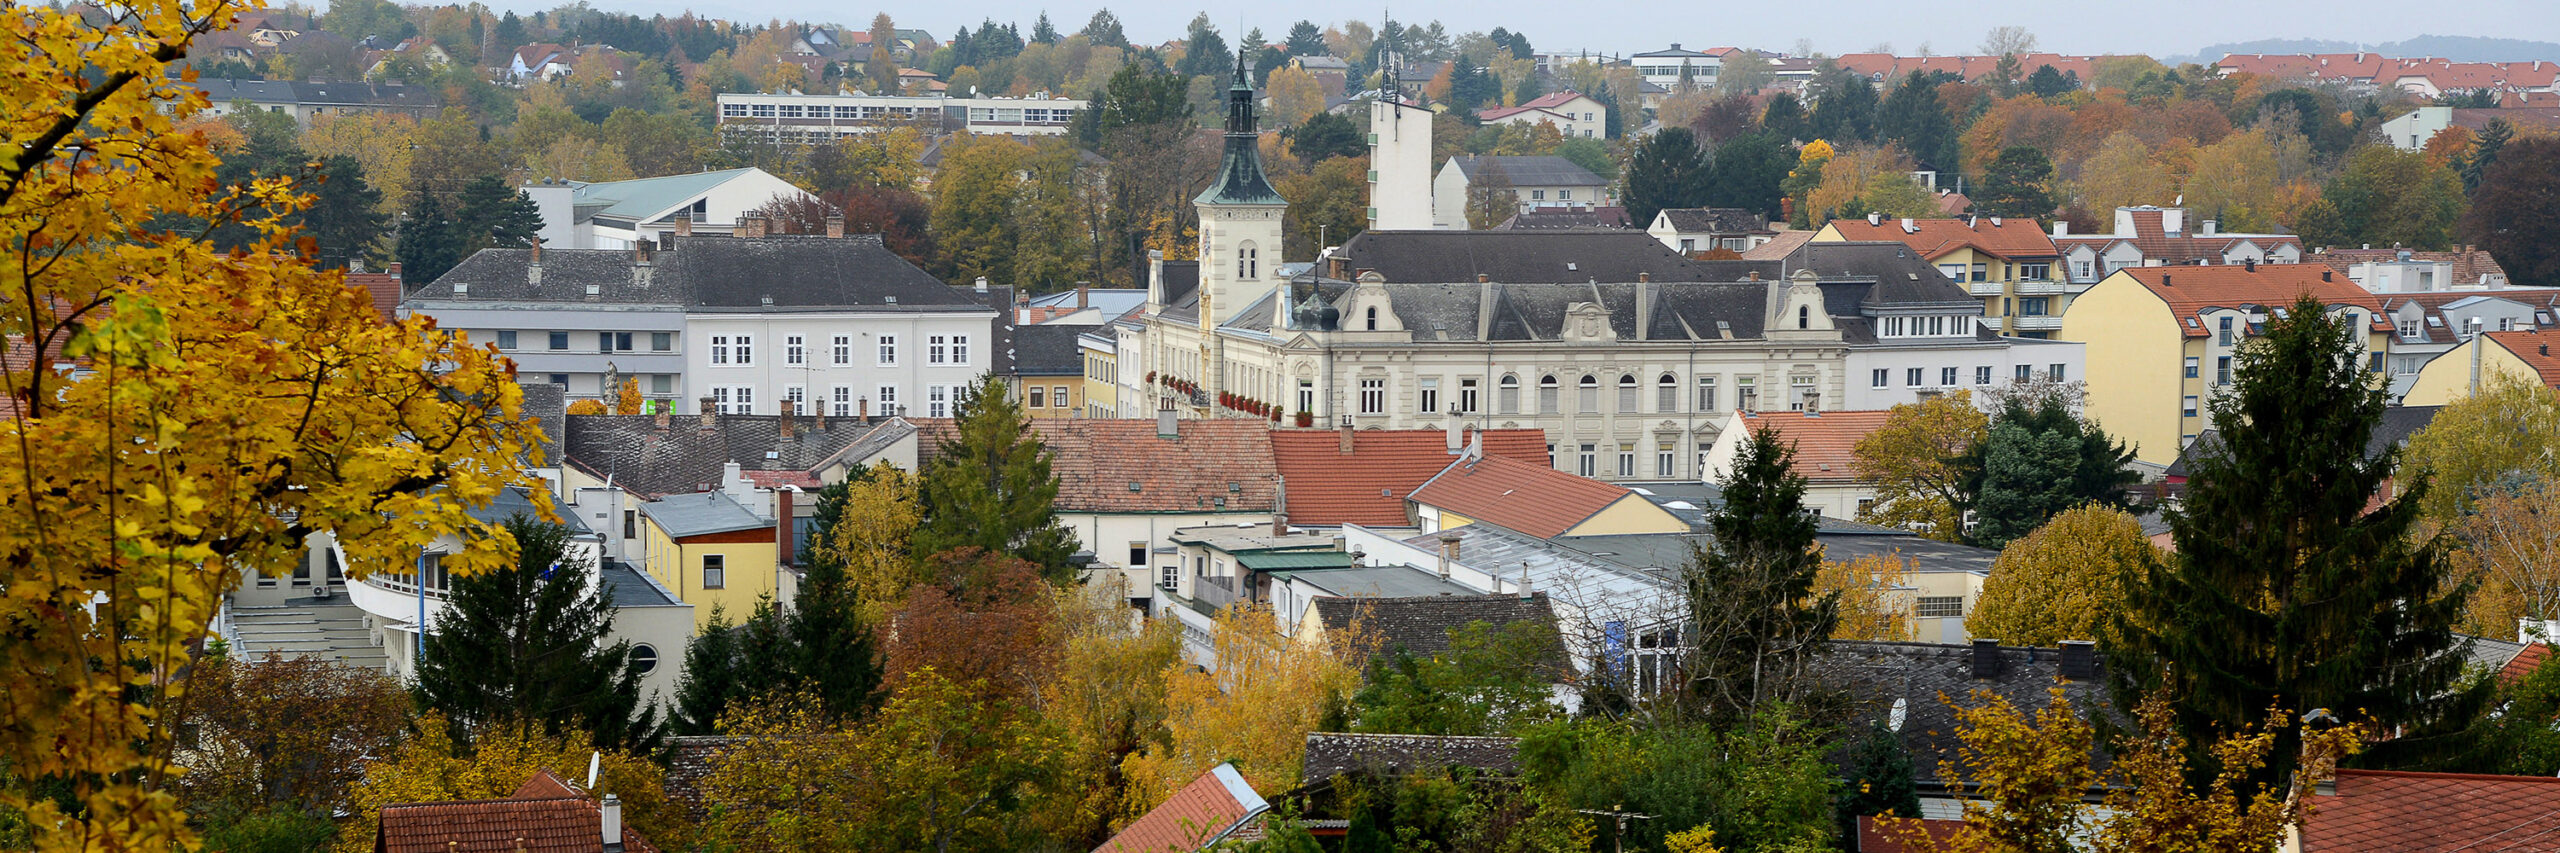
(2046, 323)
(2050, 287)
(1986, 288)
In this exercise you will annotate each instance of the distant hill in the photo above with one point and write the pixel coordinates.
(2457, 48)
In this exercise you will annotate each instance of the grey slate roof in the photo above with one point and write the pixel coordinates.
(1331, 754)
(1421, 625)
(710, 273)
(701, 514)
(1540, 170)
(514, 501)
(1877, 676)
(1681, 311)
(684, 458)
(1516, 257)
(1565, 219)
(2398, 424)
(626, 587)
(548, 406)
(1898, 278)
(1714, 220)
(1048, 350)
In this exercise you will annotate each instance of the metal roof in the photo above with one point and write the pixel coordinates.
(701, 514)
(644, 199)
(1377, 582)
(1288, 560)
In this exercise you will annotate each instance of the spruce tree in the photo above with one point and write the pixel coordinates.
(1754, 621)
(1880, 779)
(526, 646)
(990, 486)
(2286, 589)
(1667, 171)
(492, 214)
(2038, 461)
(427, 242)
(831, 655)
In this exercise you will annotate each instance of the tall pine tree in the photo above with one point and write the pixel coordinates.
(2288, 589)
(991, 487)
(526, 646)
(1754, 620)
(1668, 171)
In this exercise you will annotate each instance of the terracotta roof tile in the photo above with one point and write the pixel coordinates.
(2007, 238)
(1885, 834)
(2525, 662)
(1216, 465)
(384, 287)
(1199, 814)
(1533, 499)
(2193, 289)
(1826, 443)
(2534, 349)
(544, 815)
(1367, 485)
(2401, 812)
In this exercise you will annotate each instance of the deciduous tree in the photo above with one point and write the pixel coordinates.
(2387, 197)
(2508, 432)
(1918, 462)
(1108, 701)
(1874, 606)
(1492, 680)
(2065, 581)
(430, 766)
(1255, 709)
(290, 734)
(2514, 215)
(1328, 205)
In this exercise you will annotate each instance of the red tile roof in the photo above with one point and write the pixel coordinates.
(1885, 834)
(2525, 662)
(544, 815)
(1367, 485)
(2534, 349)
(1201, 813)
(1887, 66)
(1826, 443)
(1533, 499)
(384, 287)
(2401, 812)
(2186, 247)
(1216, 465)
(1932, 238)
(2190, 290)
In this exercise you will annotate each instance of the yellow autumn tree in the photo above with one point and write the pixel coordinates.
(586, 407)
(429, 767)
(870, 537)
(2512, 536)
(1875, 597)
(2065, 581)
(1254, 707)
(1107, 698)
(626, 399)
(1295, 95)
(227, 405)
(379, 142)
(2124, 173)
(1913, 461)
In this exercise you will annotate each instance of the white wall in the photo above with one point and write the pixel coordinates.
(1400, 198)
(913, 375)
(2003, 360)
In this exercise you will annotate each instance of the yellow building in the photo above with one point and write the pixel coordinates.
(2163, 340)
(713, 553)
(1048, 370)
(1101, 373)
(2007, 262)
(2459, 371)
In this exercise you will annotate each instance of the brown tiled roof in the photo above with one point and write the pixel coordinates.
(1421, 625)
(2185, 248)
(2403, 812)
(544, 815)
(1216, 465)
(2534, 349)
(1826, 443)
(2007, 238)
(1331, 754)
(384, 287)
(1884, 835)
(2193, 289)
(1368, 485)
(2525, 662)
(1533, 499)
(2468, 266)
(1778, 247)
(1199, 814)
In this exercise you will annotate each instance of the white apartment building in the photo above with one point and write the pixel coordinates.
(798, 118)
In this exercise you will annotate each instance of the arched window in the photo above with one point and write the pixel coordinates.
(1373, 318)
(1547, 393)
(1666, 393)
(1804, 316)
(1507, 397)
(1627, 394)
(1248, 262)
(1590, 386)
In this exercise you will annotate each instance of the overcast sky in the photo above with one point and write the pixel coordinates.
(2158, 27)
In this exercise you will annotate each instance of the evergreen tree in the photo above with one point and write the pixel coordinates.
(2049, 84)
(990, 487)
(526, 646)
(1042, 32)
(1306, 39)
(2038, 460)
(494, 215)
(1913, 117)
(428, 242)
(711, 677)
(1103, 30)
(1785, 117)
(1880, 779)
(1754, 621)
(1668, 171)
(2019, 183)
(510, 34)
(1324, 136)
(343, 217)
(1204, 52)
(831, 655)
(1846, 111)
(2285, 590)
(1747, 171)
(2484, 153)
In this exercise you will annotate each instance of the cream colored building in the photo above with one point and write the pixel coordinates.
(2009, 263)
(2161, 341)
(2458, 373)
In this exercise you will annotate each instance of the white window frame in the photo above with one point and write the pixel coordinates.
(795, 350)
(719, 349)
(841, 353)
(888, 351)
(935, 349)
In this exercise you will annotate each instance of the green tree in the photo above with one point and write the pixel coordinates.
(1492, 681)
(1785, 117)
(2507, 432)
(1204, 52)
(1755, 620)
(974, 199)
(1668, 171)
(990, 486)
(426, 243)
(1762, 783)
(1844, 108)
(2515, 215)
(1747, 172)
(2039, 459)
(832, 656)
(1913, 116)
(2019, 183)
(1134, 97)
(728, 664)
(1306, 39)
(1327, 206)
(2285, 589)
(526, 646)
(1921, 462)
(1103, 29)
(1324, 136)
(2065, 581)
(1880, 779)
(2387, 197)
(494, 215)
(2049, 84)
(2474, 167)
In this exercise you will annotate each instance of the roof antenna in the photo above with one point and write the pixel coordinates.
(595, 762)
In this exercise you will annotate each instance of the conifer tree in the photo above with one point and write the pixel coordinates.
(2286, 590)
(525, 645)
(1755, 621)
(1881, 779)
(990, 486)
(2039, 460)
(1668, 171)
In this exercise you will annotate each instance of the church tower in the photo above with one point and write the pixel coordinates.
(1240, 216)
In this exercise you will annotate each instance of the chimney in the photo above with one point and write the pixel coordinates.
(666, 418)
(2250, 264)
(818, 417)
(2061, 228)
(2080, 660)
(2164, 280)
(1084, 295)
(1908, 227)
(394, 270)
(782, 525)
(1167, 427)
(1644, 277)
(864, 409)
(835, 226)
(612, 824)
(751, 227)
(1456, 438)
(782, 426)
(1482, 278)
(710, 415)
(640, 252)
(684, 225)
(1874, 218)
(1986, 658)
(981, 285)
(1448, 552)
(1345, 431)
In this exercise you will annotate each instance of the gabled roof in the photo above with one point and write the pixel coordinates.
(544, 815)
(2469, 266)
(2444, 312)
(1122, 466)
(1331, 754)
(1367, 485)
(1047, 350)
(1826, 443)
(648, 199)
(2534, 349)
(684, 458)
(1780, 246)
(1714, 220)
(384, 287)
(1199, 815)
(1530, 498)
(1539, 170)
(1421, 626)
(2185, 247)
(1933, 238)
(1566, 219)
(710, 273)
(2405, 812)
(1525, 257)
(2190, 290)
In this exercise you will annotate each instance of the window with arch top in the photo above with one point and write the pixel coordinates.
(1590, 386)
(1372, 319)
(1508, 395)
(1627, 393)
(1547, 394)
(1804, 316)
(1666, 394)
(1248, 262)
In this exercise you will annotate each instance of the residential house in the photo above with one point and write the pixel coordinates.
(2412, 131)
(2426, 326)
(610, 464)
(544, 815)
(2154, 236)
(1909, 333)
(1914, 691)
(1201, 815)
(2424, 77)
(1692, 230)
(541, 61)
(2007, 263)
(310, 101)
(1099, 351)
(2461, 371)
(1540, 181)
(1048, 370)
(2413, 812)
(800, 119)
(2385, 271)
(1825, 445)
(749, 321)
(1212, 566)
(714, 553)
(2162, 340)
(1535, 499)
(620, 214)
(385, 287)
(1573, 114)
(420, 49)
(1346, 476)
(1678, 68)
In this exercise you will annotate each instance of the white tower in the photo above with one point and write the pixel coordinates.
(1240, 217)
(1399, 159)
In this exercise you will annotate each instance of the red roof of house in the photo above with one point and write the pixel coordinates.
(1885, 834)
(2190, 290)
(1533, 499)
(1193, 817)
(1932, 238)
(544, 815)
(1214, 465)
(2534, 349)
(2401, 812)
(384, 287)
(1367, 484)
(2525, 662)
(1826, 443)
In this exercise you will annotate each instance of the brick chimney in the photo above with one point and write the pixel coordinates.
(751, 227)
(710, 415)
(782, 425)
(782, 512)
(666, 417)
(835, 226)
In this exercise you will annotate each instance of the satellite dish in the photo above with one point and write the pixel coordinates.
(595, 762)
(1901, 710)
